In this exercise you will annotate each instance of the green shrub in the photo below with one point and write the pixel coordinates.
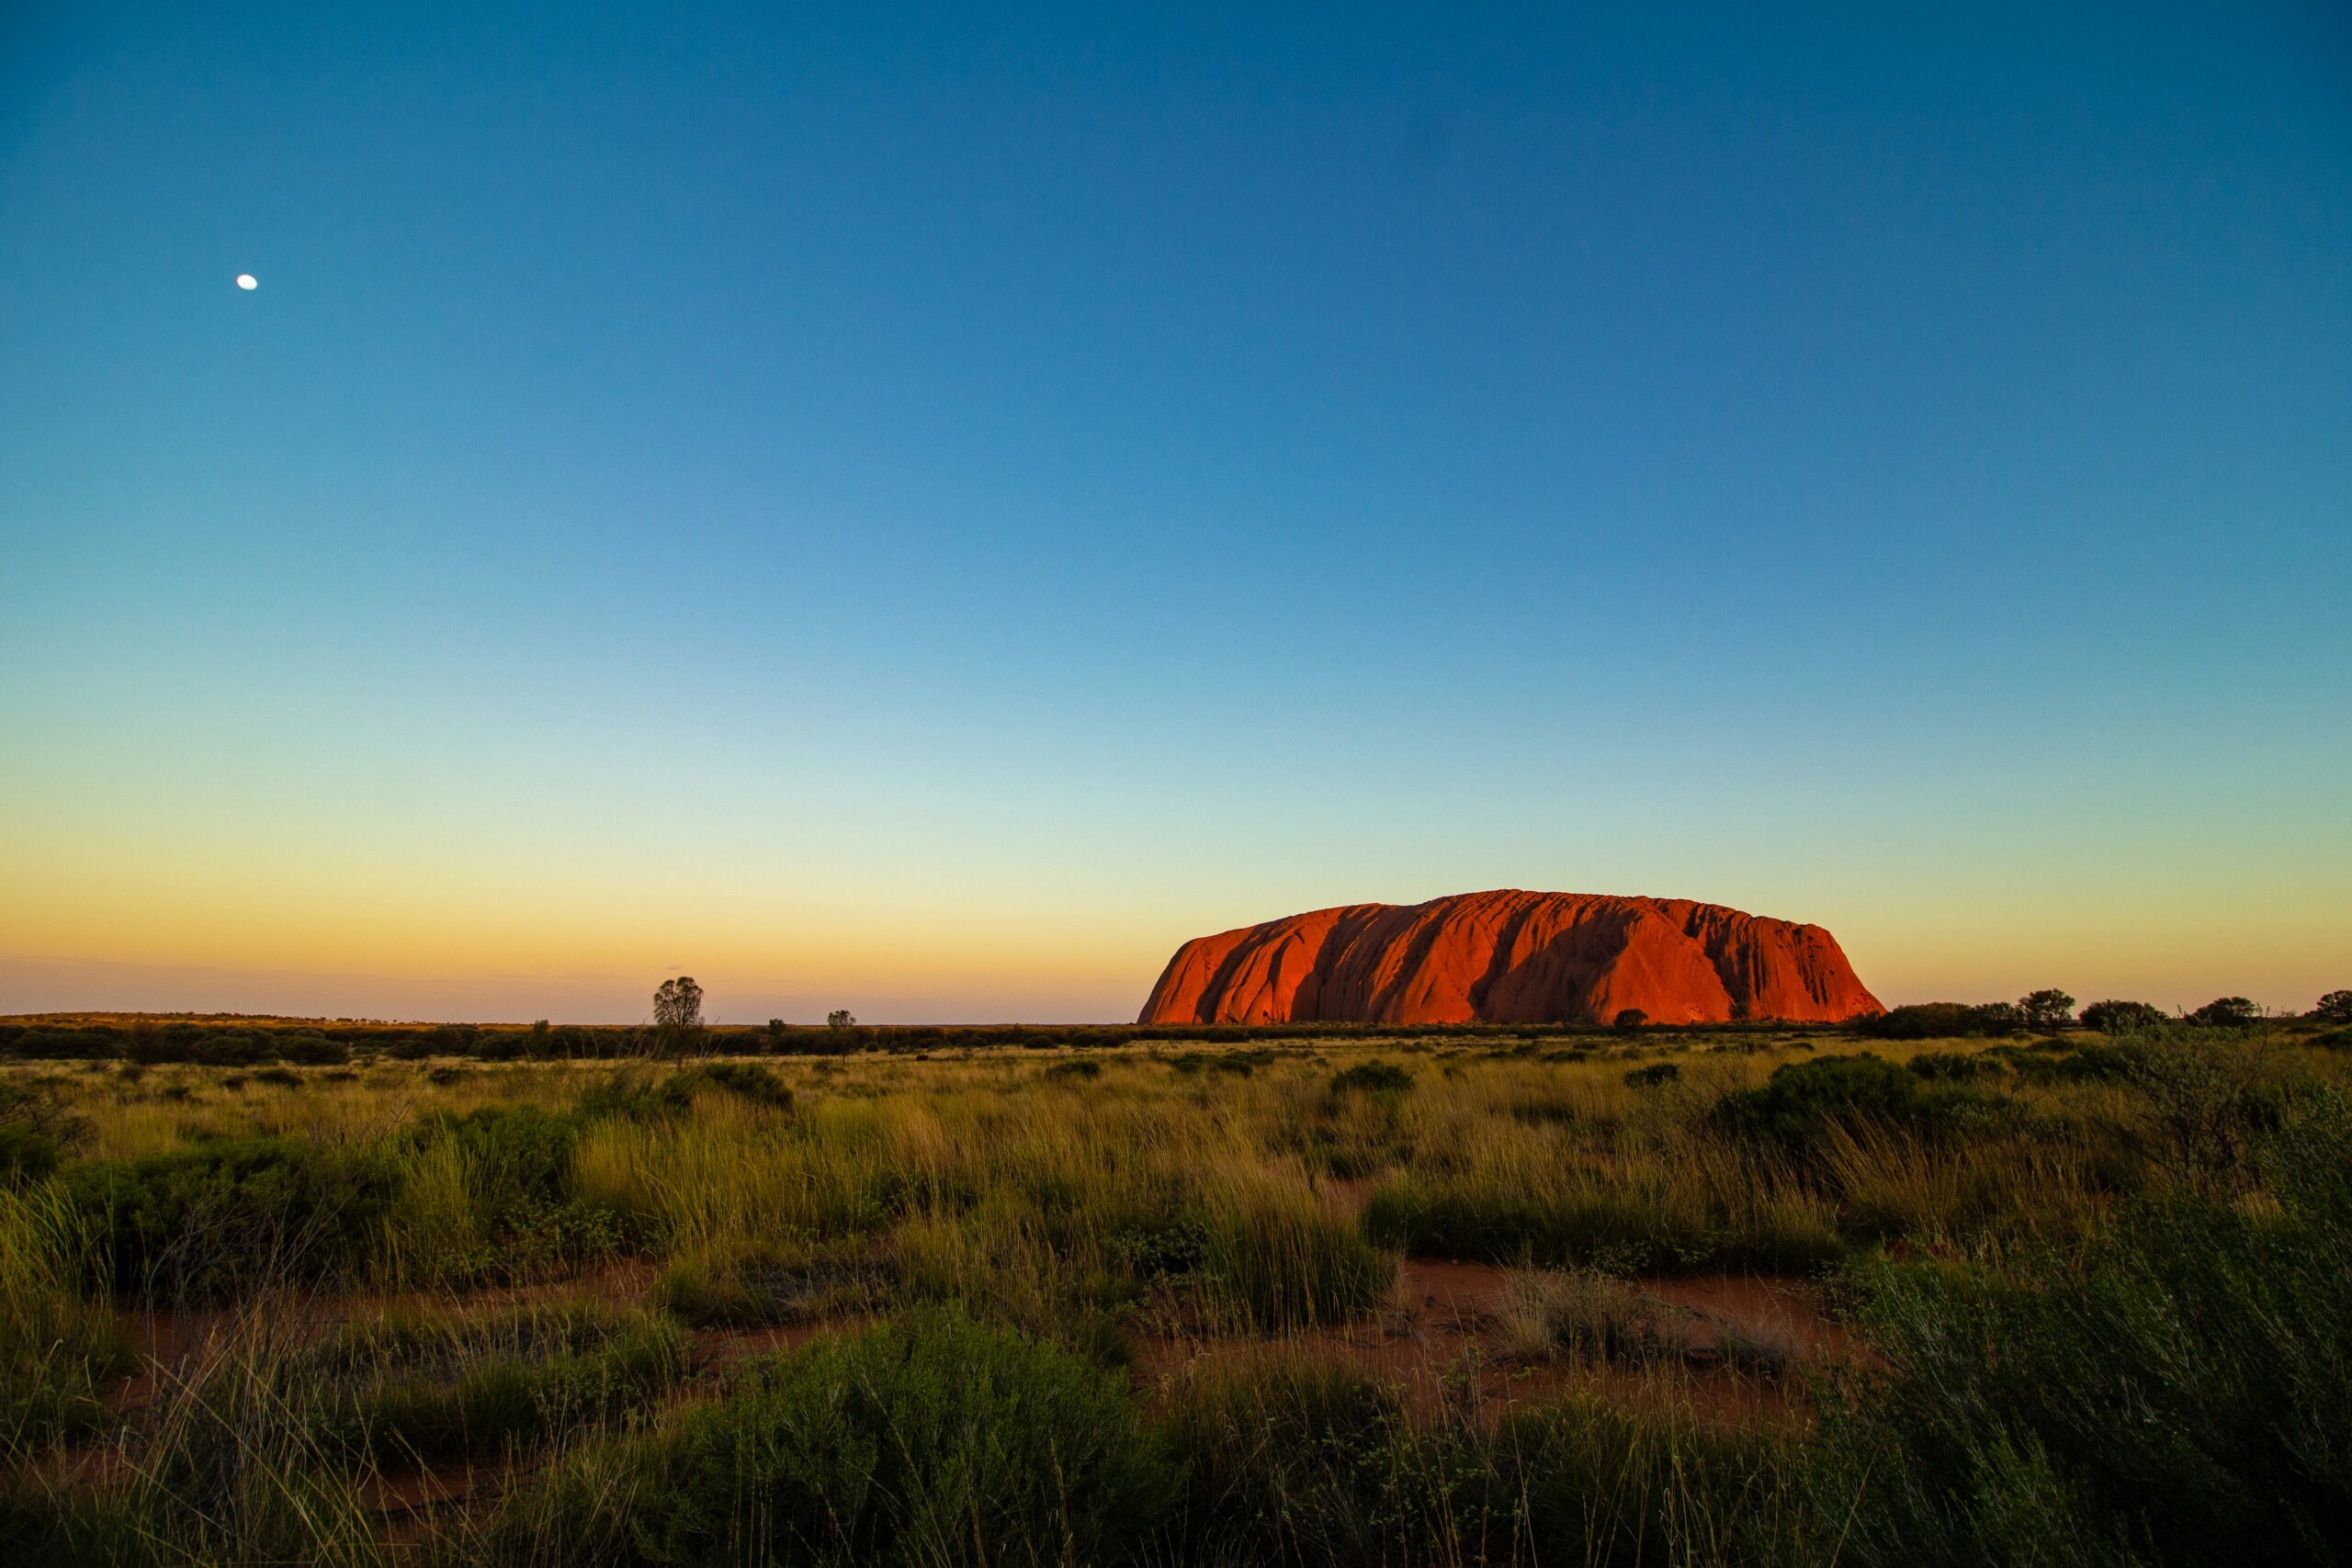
(58, 1338)
(933, 1440)
(405, 1391)
(2181, 1391)
(745, 1080)
(2113, 1017)
(1950, 1067)
(1287, 1459)
(37, 1129)
(1802, 1100)
(759, 1288)
(1296, 1460)
(1372, 1078)
(1432, 1217)
(232, 1216)
(1618, 1230)
(1274, 1259)
(1073, 1070)
(1588, 1481)
(1657, 1073)
(2092, 1063)
(1940, 1020)
(312, 1050)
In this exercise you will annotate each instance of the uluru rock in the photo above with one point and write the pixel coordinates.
(1511, 957)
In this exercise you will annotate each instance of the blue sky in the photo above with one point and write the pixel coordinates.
(923, 511)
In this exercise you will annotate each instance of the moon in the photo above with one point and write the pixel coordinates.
(248, 281)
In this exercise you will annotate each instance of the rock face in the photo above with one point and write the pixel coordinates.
(1511, 957)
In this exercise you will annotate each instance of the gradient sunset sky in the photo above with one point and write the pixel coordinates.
(923, 511)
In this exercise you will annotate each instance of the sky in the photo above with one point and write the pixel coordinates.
(923, 511)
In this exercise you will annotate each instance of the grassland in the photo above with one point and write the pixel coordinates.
(1755, 1297)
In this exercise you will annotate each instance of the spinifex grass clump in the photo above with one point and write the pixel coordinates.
(1274, 1259)
(933, 1440)
(1577, 1315)
(231, 1217)
(1804, 1100)
(59, 1344)
(760, 1286)
(2178, 1390)
(491, 1194)
(407, 1389)
(1294, 1458)
(38, 1129)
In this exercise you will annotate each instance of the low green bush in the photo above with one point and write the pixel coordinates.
(933, 1440)
(1950, 1067)
(2180, 1391)
(37, 1129)
(1372, 1078)
(1802, 1101)
(436, 1391)
(1287, 1459)
(1274, 1260)
(1620, 1231)
(234, 1216)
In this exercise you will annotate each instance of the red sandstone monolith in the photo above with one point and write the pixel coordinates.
(1511, 957)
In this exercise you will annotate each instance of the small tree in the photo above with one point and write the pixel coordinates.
(2227, 1012)
(677, 1016)
(2046, 1011)
(2335, 1007)
(840, 1018)
(2113, 1017)
(1629, 1019)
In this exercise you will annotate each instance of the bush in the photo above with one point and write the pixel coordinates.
(2333, 1008)
(57, 1342)
(1940, 1020)
(1287, 1459)
(446, 1390)
(2046, 1011)
(1948, 1066)
(1297, 1460)
(491, 1194)
(1487, 1221)
(933, 1440)
(2093, 1062)
(1372, 1078)
(2227, 1012)
(1594, 1482)
(632, 1097)
(37, 1129)
(745, 1080)
(758, 1288)
(232, 1216)
(312, 1050)
(1802, 1099)
(1273, 1259)
(1657, 1073)
(2181, 1393)
(2112, 1017)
